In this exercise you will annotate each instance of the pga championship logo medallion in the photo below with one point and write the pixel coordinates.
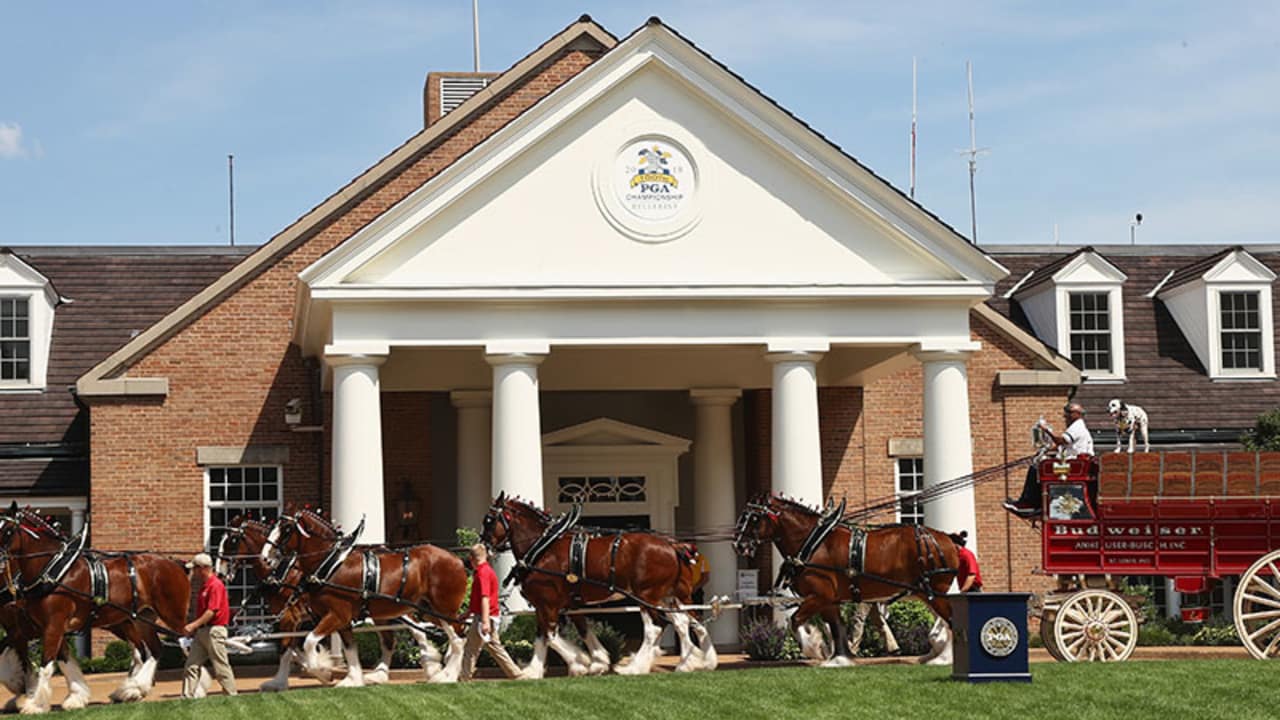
(654, 179)
(999, 637)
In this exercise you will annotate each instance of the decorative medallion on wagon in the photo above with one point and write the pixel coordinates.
(999, 637)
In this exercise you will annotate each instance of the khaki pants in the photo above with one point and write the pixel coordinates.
(859, 623)
(471, 652)
(210, 643)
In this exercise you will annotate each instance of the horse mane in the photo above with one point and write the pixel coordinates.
(34, 521)
(528, 505)
(798, 505)
(319, 519)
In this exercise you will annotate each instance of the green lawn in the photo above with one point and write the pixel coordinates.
(1234, 689)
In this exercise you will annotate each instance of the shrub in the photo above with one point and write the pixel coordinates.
(406, 654)
(1265, 434)
(1216, 634)
(117, 657)
(1155, 634)
(369, 648)
(764, 640)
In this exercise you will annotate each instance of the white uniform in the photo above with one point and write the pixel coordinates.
(1079, 439)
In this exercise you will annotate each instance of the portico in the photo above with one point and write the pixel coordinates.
(655, 226)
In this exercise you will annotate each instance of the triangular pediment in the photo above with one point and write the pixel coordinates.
(16, 274)
(607, 432)
(1089, 268)
(1240, 266)
(545, 203)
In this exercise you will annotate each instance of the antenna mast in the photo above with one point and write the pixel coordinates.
(973, 152)
(231, 197)
(913, 128)
(475, 30)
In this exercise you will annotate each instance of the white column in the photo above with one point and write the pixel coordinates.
(77, 520)
(797, 445)
(715, 506)
(948, 443)
(517, 435)
(357, 445)
(474, 455)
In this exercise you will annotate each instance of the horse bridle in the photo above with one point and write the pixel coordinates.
(501, 513)
(8, 526)
(745, 535)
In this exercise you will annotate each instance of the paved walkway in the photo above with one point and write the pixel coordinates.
(169, 682)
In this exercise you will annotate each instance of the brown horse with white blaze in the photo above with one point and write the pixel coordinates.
(57, 592)
(243, 541)
(895, 561)
(655, 571)
(421, 581)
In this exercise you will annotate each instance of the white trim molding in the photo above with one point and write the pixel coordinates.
(20, 281)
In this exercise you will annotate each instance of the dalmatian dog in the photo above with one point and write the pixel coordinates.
(1129, 420)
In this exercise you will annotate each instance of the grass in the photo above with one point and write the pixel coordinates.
(1234, 689)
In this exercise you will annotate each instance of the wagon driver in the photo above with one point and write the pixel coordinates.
(1075, 441)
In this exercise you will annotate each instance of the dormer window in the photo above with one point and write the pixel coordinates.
(27, 303)
(15, 340)
(1222, 304)
(1075, 305)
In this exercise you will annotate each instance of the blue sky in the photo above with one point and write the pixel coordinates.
(116, 118)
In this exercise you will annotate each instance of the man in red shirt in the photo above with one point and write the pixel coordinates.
(484, 610)
(968, 576)
(208, 630)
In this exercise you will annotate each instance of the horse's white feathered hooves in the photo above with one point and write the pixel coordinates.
(41, 697)
(78, 694)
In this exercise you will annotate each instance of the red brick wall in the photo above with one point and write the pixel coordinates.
(406, 462)
(232, 370)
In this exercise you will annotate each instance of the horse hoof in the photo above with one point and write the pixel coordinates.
(350, 681)
(838, 661)
(75, 702)
(443, 677)
(577, 669)
(377, 677)
(271, 686)
(324, 675)
(598, 668)
(126, 694)
(529, 674)
(33, 708)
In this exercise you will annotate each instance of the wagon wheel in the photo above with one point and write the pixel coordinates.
(1047, 636)
(1257, 607)
(1095, 626)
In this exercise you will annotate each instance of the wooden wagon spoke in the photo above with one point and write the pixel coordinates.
(1274, 624)
(1259, 583)
(1261, 600)
(1272, 646)
(1261, 615)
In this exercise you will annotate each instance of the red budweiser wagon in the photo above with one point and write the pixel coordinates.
(1195, 516)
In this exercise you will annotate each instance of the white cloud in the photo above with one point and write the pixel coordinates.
(12, 144)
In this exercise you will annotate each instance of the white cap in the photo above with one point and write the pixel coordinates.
(200, 560)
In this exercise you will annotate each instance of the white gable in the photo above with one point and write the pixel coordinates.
(1047, 305)
(775, 205)
(1239, 266)
(1195, 306)
(607, 432)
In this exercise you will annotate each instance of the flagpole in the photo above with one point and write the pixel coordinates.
(913, 128)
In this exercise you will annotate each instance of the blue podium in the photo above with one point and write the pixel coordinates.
(990, 637)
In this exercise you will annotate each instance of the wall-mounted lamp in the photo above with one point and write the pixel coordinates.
(293, 412)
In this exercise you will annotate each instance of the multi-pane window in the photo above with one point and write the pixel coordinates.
(1241, 331)
(1090, 331)
(15, 339)
(910, 481)
(243, 491)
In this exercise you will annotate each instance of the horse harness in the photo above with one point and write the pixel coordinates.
(929, 554)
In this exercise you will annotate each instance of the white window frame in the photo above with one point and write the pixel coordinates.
(239, 504)
(1266, 327)
(6, 299)
(20, 281)
(902, 494)
(1115, 316)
